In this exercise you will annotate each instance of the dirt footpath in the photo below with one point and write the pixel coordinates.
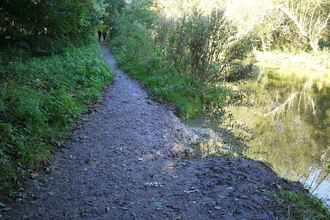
(122, 163)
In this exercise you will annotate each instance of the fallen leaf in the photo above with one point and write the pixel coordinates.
(123, 208)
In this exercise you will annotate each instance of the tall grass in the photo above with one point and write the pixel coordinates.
(39, 99)
(299, 205)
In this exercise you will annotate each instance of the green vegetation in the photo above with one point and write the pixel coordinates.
(40, 98)
(186, 60)
(315, 61)
(184, 51)
(288, 32)
(288, 25)
(187, 51)
(301, 205)
(228, 154)
(51, 68)
(38, 28)
(111, 16)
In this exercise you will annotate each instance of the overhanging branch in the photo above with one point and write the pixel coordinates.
(293, 18)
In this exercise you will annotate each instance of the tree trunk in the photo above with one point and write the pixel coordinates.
(314, 44)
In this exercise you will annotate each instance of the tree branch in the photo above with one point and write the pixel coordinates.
(325, 23)
(294, 19)
(278, 108)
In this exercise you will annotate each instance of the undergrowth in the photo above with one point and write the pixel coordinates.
(39, 99)
(301, 205)
(186, 61)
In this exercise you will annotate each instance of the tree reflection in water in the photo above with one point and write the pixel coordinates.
(283, 120)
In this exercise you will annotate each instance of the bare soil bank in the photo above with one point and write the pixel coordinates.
(122, 163)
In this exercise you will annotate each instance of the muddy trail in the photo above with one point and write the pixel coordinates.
(126, 161)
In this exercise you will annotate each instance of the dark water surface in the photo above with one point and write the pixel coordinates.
(284, 119)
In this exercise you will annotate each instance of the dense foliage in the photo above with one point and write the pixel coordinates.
(35, 27)
(186, 60)
(110, 18)
(39, 99)
(51, 68)
(289, 25)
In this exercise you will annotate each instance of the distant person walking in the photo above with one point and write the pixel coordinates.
(100, 34)
(104, 35)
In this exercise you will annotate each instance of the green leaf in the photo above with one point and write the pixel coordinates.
(3, 205)
(123, 208)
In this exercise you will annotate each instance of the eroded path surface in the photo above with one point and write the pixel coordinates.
(120, 165)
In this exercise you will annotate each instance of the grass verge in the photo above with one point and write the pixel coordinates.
(164, 84)
(301, 205)
(39, 99)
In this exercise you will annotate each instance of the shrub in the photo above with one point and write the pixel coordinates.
(186, 61)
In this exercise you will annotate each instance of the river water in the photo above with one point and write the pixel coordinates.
(284, 120)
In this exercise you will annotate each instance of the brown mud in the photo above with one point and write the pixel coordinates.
(123, 162)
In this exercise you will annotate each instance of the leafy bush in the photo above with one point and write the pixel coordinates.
(40, 98)
(186, 61)
(38, 28)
